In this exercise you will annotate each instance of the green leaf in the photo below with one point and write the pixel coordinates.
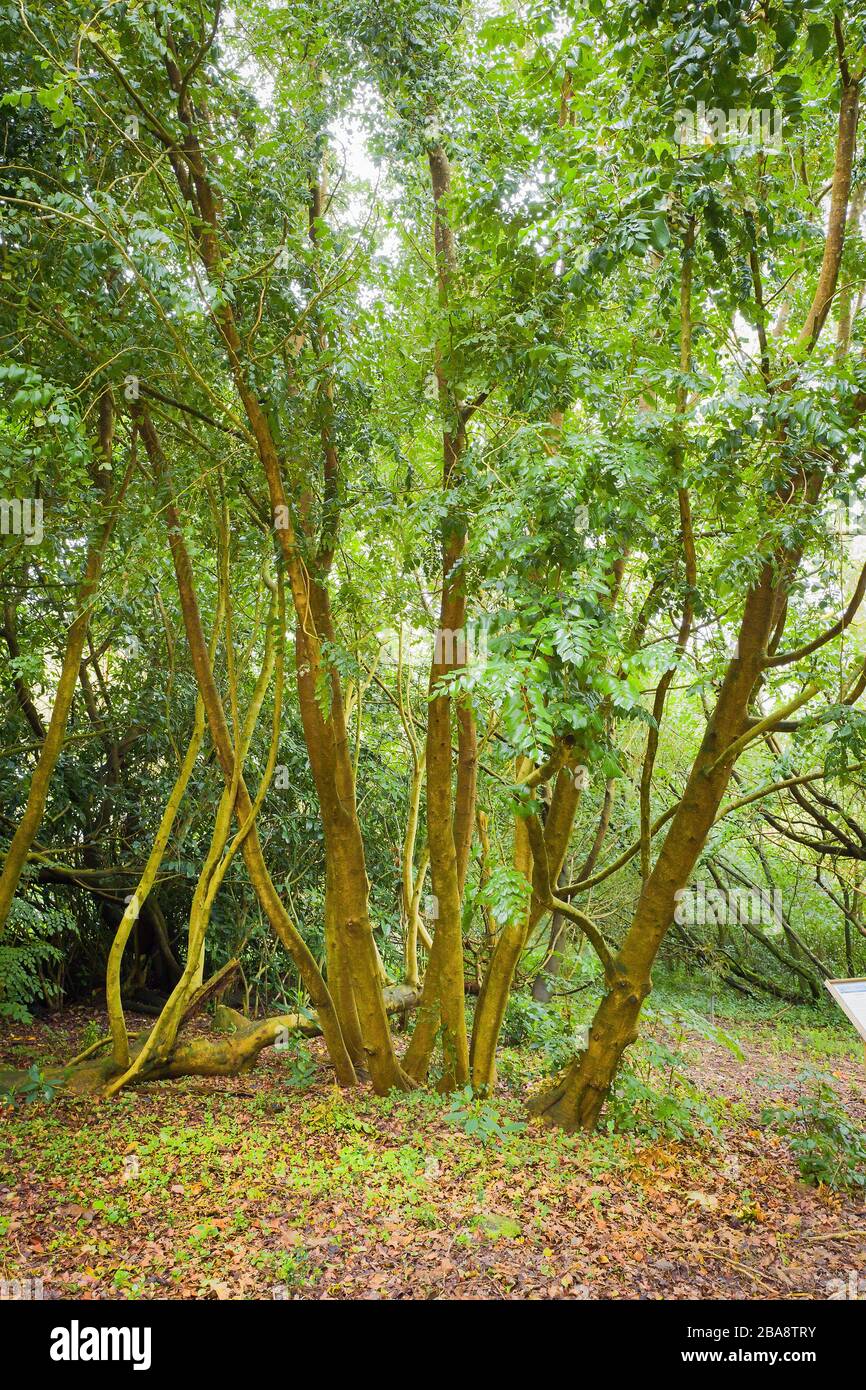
(818, 40)
(660, 234)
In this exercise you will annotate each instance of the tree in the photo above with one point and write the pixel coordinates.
(493, 375)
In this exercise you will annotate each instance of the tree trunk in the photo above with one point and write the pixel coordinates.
(542, 985)
(260, 878)
(28, 827)
(512, 939)
(577, 1101)
(449, 839)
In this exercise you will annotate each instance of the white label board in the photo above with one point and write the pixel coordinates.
(850, 995)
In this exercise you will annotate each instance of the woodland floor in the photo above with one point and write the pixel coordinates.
(275, 1184)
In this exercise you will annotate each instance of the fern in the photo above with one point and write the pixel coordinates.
(21, 956)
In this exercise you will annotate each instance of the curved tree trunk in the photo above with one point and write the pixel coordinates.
(576, 1103)
(260, 878)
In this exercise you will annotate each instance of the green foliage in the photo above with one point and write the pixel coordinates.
(23, 953)
(828, 1145)
(847, 744)
(539, 1028)
(479, 1119)
(682, 1021)
(654, 1096)
(299, 1065)
(294, 1269)
(91, 1034)
(34, 1087)
(653, 1093)
(506, 893)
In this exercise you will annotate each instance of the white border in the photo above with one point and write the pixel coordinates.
(840, 1000)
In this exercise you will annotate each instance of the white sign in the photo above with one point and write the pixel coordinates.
(850, 995)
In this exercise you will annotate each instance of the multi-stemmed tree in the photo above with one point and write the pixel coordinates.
(568, 360)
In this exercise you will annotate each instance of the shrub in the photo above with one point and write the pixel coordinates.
(828, 1146)
(541, 1028)
(22, 955)
(35, 1086)
(654, 1096)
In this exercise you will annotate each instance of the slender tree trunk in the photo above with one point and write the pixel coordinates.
(251, 849)
(559, 925)
(449, 828)
(493, 999)
(355, 955)
(578, 1100)
(542, 985)
(408, 879)
(117, 1023)
(22, 690)
(443, 995)
(466, 788)
(326, 737)
(28, 826)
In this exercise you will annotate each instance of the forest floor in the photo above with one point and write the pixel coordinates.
(278, 1185)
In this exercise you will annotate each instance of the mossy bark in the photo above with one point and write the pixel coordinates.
(260, 878)
(37, 796)
(577, 1101)
(512, 939)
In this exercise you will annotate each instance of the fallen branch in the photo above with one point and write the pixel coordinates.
(226, 1055)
